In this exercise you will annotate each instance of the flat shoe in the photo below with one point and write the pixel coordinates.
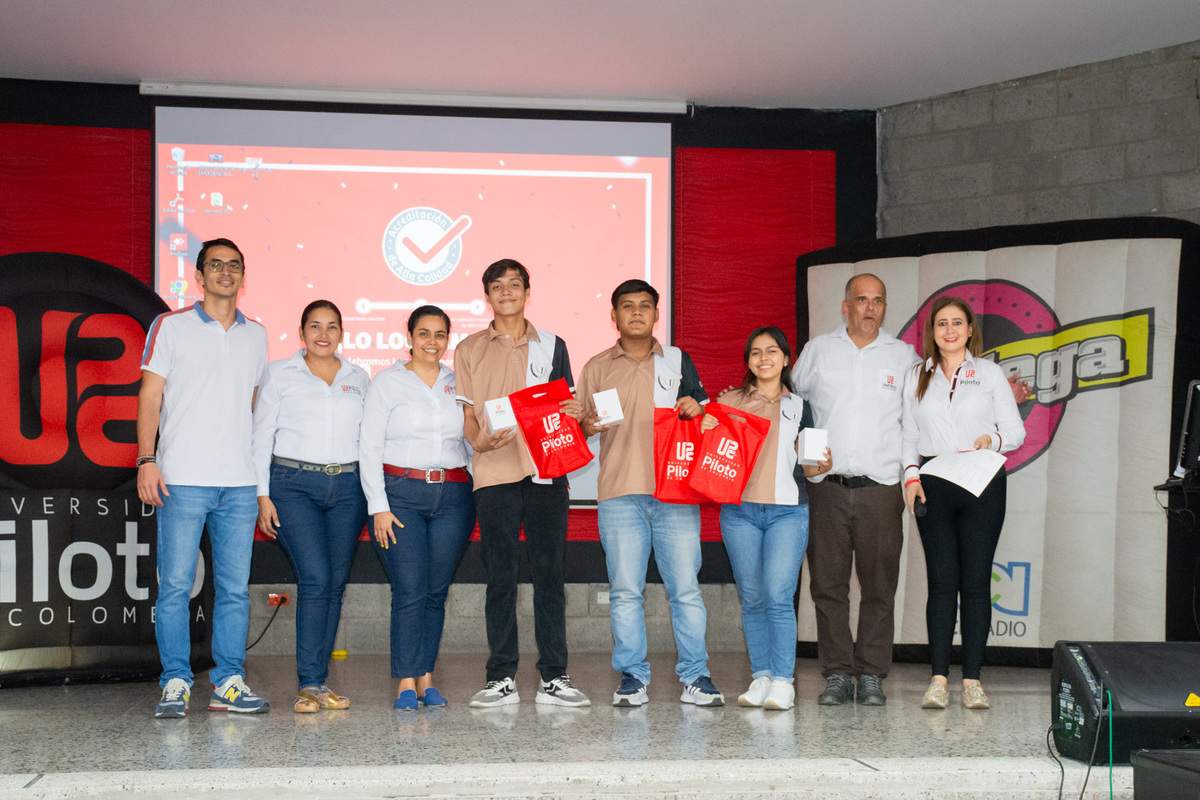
(936, 696)
(331, 700)
(974, 698)
(407, 701)
(306, 703)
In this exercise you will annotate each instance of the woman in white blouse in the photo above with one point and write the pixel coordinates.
(414, 460)
(306, 422)
(957, 401)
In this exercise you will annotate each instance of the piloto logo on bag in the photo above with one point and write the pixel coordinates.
(679, 467)
(557, 438)
(727, 450)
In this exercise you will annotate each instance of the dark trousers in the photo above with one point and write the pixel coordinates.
(859, 528)
(437, 519)
(959, 533)
(320, 518)
(542, 509)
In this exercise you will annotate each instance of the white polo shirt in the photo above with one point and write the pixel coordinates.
(954, 412)
(857, 394)
(299, 416)
(408, 424)
(206, 424)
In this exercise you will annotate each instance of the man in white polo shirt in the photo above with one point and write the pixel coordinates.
(200, 371)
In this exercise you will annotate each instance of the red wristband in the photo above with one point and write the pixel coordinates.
(911, 481)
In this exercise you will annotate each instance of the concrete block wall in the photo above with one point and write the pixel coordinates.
(1115, 138)
(366, 619)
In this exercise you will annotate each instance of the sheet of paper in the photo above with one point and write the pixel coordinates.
(973, 470)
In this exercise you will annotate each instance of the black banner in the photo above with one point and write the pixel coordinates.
(77, 548)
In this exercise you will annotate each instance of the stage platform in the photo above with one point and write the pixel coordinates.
(101, 741)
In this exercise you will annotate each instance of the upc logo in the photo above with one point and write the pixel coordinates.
(685, 451)
(1011, 584)
(727, 447)
(552, 422)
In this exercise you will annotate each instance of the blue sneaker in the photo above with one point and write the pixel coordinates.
(174, 702)
(234, 695)
(433, 698)
(702, 692)
(407, 701)
(631, 692)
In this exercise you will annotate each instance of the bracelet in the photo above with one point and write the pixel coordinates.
(145, 460)
(911, 481)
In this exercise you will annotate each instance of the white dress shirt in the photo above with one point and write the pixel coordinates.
(408, 424)
(955, 412)
(205, 426)
(299, 416)
(857, 395)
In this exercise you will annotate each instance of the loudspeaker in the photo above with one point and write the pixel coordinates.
(1155, 697)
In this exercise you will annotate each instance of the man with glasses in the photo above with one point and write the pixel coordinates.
(200, 372)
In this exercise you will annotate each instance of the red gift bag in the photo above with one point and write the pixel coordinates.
(727, 454)
(676, 442)
(555, 440)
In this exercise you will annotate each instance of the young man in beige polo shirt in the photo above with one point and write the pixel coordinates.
(646, 376)
(509, 355)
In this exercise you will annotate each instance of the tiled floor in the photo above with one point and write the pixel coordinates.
(109, 728)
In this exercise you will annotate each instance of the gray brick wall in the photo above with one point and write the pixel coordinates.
(1116, 138)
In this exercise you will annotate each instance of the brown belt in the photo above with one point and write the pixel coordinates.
(454, 475)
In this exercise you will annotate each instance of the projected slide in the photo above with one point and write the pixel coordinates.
(382, 213)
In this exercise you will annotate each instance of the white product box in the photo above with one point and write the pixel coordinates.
(500, 416)
(608, 407)
(810, 447)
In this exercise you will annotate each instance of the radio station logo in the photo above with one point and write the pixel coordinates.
(423, 245)
(1022, 334)
(1010, 583)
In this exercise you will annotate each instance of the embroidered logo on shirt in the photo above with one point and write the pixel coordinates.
(348, 388)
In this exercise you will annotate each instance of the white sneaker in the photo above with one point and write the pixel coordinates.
(781, 696)
(560, 692)
(754, 696)
(496, 693)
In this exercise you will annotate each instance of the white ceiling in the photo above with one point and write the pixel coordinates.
(765, 53)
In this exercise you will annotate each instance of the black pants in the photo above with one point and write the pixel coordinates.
(959, 533)
(501, 511)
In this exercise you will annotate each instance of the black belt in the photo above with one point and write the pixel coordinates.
(308, 466)
(852, 481)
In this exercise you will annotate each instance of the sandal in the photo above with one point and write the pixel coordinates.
(331, 700)
(306, 703)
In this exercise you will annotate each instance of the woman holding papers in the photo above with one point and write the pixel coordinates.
(956, 402)
(305, 445)
(413, 459)
(767, 533)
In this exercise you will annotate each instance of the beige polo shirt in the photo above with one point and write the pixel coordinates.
(489, 364)
(627, 448)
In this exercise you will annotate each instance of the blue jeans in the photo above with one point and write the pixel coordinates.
(320, 518)
(766, 545)
(630, 527)
(437, 518)
(229, 514)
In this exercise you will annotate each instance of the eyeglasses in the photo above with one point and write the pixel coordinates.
(234, 266)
